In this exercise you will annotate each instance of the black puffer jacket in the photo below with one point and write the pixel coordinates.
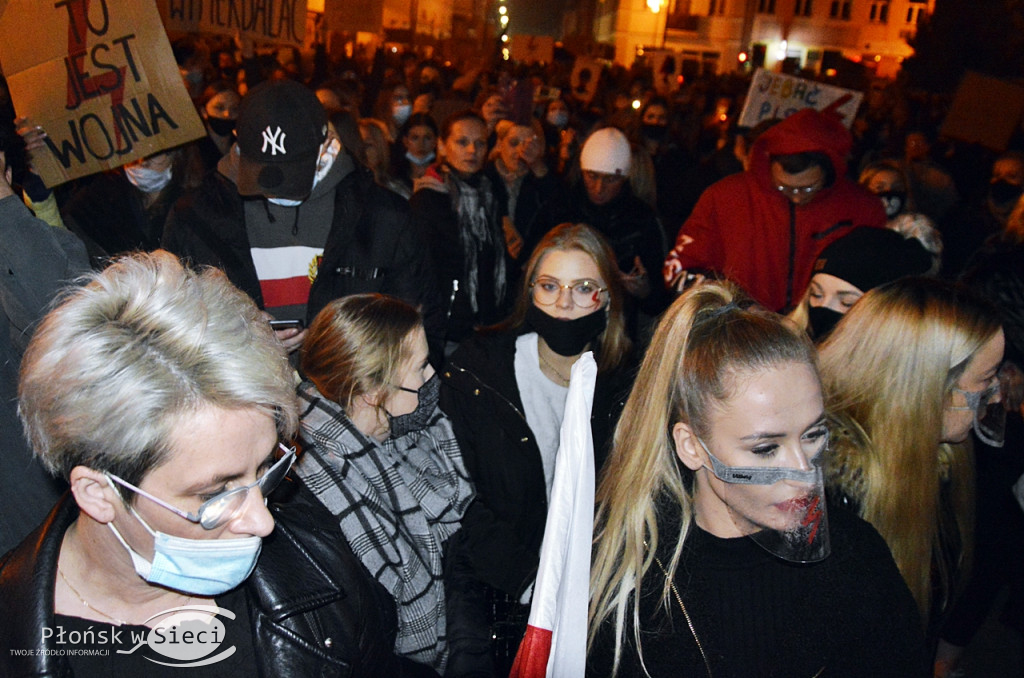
(314, 609)
(504, 526)
(371, 246)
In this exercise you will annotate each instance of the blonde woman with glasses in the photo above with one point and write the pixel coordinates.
(505, 392)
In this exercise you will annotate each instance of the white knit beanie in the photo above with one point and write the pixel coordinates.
(606, 151)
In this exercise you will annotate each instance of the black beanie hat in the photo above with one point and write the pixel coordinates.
(869, 257)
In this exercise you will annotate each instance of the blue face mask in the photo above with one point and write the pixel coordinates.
(204, 567)
(422, 162)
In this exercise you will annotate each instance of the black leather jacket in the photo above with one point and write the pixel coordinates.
(314, 609)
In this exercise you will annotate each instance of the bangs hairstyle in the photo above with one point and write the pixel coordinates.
(889, 369)
(707, 338)
(357, 344)
(123, 362)
(613, 344)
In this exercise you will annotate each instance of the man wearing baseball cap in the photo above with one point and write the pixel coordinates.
(295, 222)
(604, 199)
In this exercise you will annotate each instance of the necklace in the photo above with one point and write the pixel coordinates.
(85, 602)
(552, 368)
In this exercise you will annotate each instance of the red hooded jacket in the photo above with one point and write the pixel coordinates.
(744, 228)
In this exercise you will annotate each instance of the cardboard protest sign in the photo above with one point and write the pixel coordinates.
(100, 79)
(666, 66)
(354, 15)
(531, 49)
(585, 75)
(985, 111)
(777, 95)
(265, 21)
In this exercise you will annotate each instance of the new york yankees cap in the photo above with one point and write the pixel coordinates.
(281, 126)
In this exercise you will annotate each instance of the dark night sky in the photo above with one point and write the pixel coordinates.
(536, 17)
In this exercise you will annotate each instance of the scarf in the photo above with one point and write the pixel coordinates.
(479, 229)
(396, 503)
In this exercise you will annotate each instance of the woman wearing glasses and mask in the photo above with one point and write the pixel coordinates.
(908, 373)
(162, 396)
(380, 460)
(505, 392)
(714, 552)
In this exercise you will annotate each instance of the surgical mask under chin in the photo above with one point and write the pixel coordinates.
(203, 567)
(798, 532)
(323, 165)
(417, 420)
(422, 162)
(558, 119)
(567, 337)
(894, 202)
(401, 113)
(147, 180)
(989, 416)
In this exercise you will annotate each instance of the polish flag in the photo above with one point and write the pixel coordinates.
(286, 273)
(555, 643)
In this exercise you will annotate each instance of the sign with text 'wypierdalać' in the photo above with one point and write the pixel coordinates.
(100, 79)
(280, 22)
(777, 95)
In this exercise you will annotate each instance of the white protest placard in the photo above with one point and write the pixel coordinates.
(777, 95)
(100, 79)
(280, 22)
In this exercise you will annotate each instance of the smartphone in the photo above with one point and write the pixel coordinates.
(286, 324)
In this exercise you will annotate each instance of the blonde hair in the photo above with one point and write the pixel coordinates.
(613, 344)
(706, 337)
(113, 371)
(357, 344)
(888, 369)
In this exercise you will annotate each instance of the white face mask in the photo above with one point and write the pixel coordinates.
(147, 180)
(323, 165)
(401, 113)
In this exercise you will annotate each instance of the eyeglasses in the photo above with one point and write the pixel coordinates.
(584, 293)
(225, 505)
(795, 191)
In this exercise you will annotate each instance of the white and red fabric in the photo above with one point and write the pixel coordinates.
(555, 643)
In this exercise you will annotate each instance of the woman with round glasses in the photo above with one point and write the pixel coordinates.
(161, 394)
(714, 552)
(380, 461)
(505, 391)
(908, 372)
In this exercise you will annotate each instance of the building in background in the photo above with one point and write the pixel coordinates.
(719, 35)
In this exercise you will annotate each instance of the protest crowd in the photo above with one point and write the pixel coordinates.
(306, 380)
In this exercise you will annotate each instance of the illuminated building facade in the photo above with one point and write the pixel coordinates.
(718, 35)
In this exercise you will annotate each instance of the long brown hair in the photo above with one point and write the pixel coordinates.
(357, 344)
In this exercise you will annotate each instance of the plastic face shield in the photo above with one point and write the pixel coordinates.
(989, 413)
(780, 507)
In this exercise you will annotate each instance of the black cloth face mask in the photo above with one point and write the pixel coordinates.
(822, 321)
(567, 337)
(221, 126)
(418, 419)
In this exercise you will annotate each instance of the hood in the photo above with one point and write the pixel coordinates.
(805, 130)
